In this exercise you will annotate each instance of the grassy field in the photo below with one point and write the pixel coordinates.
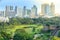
(27, 28)
(56, 38)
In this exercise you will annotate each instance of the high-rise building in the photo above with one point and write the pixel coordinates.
(15, 9)
(9, 12)
(1, 13)
(47, 9)
(24, 11)
(28, 12)
(19, 12)
(52, 9)
(42, 9)
(33, 12)
(9, 8)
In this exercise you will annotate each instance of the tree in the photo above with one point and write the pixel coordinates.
(5, 35)
(22, 35)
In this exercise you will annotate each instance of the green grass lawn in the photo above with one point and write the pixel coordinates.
(22, 26)
(28, 29)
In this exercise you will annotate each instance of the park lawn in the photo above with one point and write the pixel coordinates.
(56, 38)
(28, 30)
(22, 26)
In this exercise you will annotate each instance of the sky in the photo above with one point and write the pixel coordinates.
(29, 4)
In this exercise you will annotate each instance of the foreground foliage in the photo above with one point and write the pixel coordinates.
(8, 30)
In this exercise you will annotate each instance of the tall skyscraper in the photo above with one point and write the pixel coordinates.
(9, 8)
(19, 12)
(1, 13)
(47, 9)
(15, 9)
(34, 12)
(53, 9)
(9, 12)
(28, 12)
(24, 11)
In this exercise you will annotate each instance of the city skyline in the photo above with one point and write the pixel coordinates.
(29, 4)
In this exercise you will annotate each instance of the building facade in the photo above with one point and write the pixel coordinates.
(33, 12)
(1, 13)
(24, 11)
(19, 12)
(28, 13)
(47, 9)
(52, 9)
(9, 12)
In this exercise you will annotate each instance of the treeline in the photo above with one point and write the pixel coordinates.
(19, 21)
(44, 21)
